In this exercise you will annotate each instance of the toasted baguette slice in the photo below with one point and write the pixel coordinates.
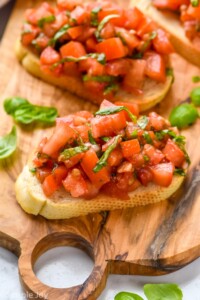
(170, 22)
(154, 92)
(30, 196)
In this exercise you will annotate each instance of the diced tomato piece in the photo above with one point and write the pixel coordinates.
(129, 38)
(80, 15)
(108, 31)
(68, 4)
(115, 157)
(49, 56)
(72, 48)
(155, 67)
(94, 87)
(113, 48)
(67, 120)
(43, 11)
(156, 121)
(71, 69)
(91, 44)
(92, 67)
(41, 42)
(132, 187)
(75, 184)
(163, 174)
(74, 160)
(60, 173)
(137, 160)
(133, 18)
(194, 12)
(145, 176)
(130, 148)
(173, 153)
(84, 114)
(133, 108)
(88, 32)
(83, 132)
(63, 133)
(118, 67)
(162, 43)
(49, 185)
(113, 191)
(119, 21)
(170, 4)
(155, 155)
(123, 180)
(29, 33)
(42, 173)
(147, 25)
(88, 163)
(106, 103)
(107, 125)
(75, 32)
(109, 143)
(134, 79)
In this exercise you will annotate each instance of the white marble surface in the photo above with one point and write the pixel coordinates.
(66, 266)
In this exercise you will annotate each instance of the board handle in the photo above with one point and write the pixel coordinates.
(34, 288)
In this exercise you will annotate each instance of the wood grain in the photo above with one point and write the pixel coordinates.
(150, 240)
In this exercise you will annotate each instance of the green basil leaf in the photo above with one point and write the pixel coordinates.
(48, 19)
(147, 137)
(105, 138)
(26, 113)
(127, 296)
(146, 44)
(194, 3)
(100, 57)
(115, 109)
(91, 139)
(103, 160)
(180, 172)
(103, 78)
(134, 134)
(163, 292)
(8, 143)
(170, 72)
(59, 34)
(68, 153)
(196, 79)
(142, 122)
(146, 158)
(113, 87)
(102, 24)
(94, 16)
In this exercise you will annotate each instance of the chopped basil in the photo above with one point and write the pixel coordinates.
(194, 3)
(103, 78)
(44, 20)
(196, 79)
(180, 172)
(68, 153)
(127, 296)
(105, 139)
(94, 16)
(142, 122)
(33, 170)
(147, 137)
(100, 57)
(115, 109)
(103, 160)
(8, 144)
(114, 87)
(91, 139)
(137, 55)
(170, 72)
(59, 34)
(26, 113)
(146, 44)
(146, 158)
(167, 291)
(162, 133)
(134, 134)
(102, 24)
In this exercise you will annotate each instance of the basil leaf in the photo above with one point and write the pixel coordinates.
(146, 158)
(68, 153)
(163, 291)
(94, 16)
(127, 296)
(162, 133)
(103, 78)
(194, 3)
(8, 143)
(48, 19)
(59, 34)
(105, 138)
(170, 72)
(101, 58)
(102, 24)
(26, 113)
(180, 172)
(142, 122)
(111, 88)
(33, 170)
(103, 160)
(134, 134)
(146, 44)
(115, 109)
(91, 139)
(147, 137)
(196, 79)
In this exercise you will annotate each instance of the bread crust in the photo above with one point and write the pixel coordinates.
(154, 92)
(170, 22)
(61, 205)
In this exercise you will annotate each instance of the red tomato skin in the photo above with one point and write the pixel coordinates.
(155, 155)
(49, 185)
(113, 48)
(161, 42)
(137, 71)
(155, 67)
(173, 153)
(60, 173)
(133, 107)
(145, 176)
(130, 148)
(42, 173)
(115, 158)
(75, 184)
(49, 56)
(72, 48)
(133, 18)
(118, 67)
(163, 174)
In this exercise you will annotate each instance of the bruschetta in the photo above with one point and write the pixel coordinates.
(97, 50)
(181, 19)
(109, 160)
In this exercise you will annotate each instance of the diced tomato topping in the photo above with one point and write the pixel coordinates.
(88, 163)
(162, 43)
(43, 11)
(42, 173)
(113, 48)
(80, 15)
(133, 18)
(145, 176)
(49, 56)
(137, 71)
(133, 108)
(118, 67)
(92, 67)
(49, 185)
(170, 4)
(130, 148)
(74, 49)
(146, 26)
(194, 12)
(162, 174)
(74, 160)
(119, 21)
(91, 44)
(156, 122)
(75, 32)
(155, 156)
(60, 172)
(68, 4)
(173, 153)
(113, 191)
(115, 157)
(108, 31)
(75, 184)
(155, 67)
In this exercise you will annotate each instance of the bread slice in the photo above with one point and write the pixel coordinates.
(30, 196)
(154, 92)
(171, 23)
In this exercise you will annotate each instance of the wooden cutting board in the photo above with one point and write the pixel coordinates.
(150, 240)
